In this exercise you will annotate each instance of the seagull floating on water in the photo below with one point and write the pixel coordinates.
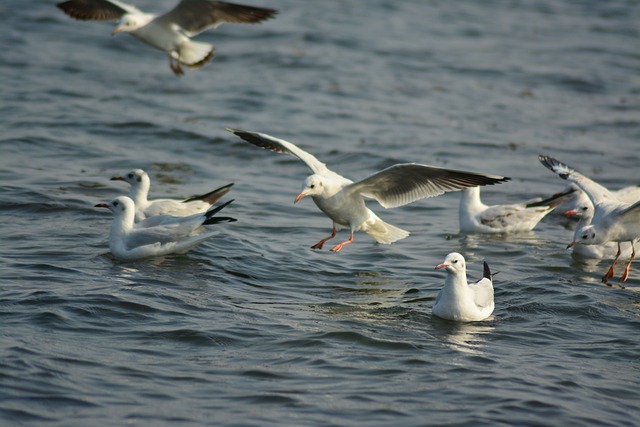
(129, 241)
(343, 200)
(171, 31)
(461, 301)
(476, 217)
(140, 185)
(613, 220)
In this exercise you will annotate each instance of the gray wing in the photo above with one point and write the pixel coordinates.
(96, 10)
(631, 215)
(407, 182)
(174, 229)
(268, 142)
(596, 192)
(195, 16)
(483, 292)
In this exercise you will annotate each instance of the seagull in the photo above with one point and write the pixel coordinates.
(476, 217)
(606, 250)
(613, 220)
(129, 241)
(140, 184)
(461, 301)
(170, 32)
(579, 201)
(343, 200)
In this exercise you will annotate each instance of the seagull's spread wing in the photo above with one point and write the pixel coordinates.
(596, 192)
(195, 16)
(407, 182)
(631, 215)
(268, 142)
(97, 10)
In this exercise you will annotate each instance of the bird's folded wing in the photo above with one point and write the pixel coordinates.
(631, 215)
(195, 16)
(268, 142)
(483, 292)
(97, 10)
(596, 192)
(405, 183)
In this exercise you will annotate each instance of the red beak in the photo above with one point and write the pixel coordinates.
(439, 266)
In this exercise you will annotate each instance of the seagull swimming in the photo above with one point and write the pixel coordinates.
(343, 200)
(171, 31)
(613, 220)
(461, 301)
(140, 185)
(129, 241)
(476, 217)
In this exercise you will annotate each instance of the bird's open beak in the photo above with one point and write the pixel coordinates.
(571, 213)
(117, 178)
(101, 205)
(439, 266)
(300, 197)
(572, 244)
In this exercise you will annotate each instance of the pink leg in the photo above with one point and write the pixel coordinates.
(175, 67)
(339, 246)
(626, 270)
(609, 274)
(321, 243)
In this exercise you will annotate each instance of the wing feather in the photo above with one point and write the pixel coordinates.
(96, 10)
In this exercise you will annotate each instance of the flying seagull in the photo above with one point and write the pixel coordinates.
(343, 200)
(172, 31)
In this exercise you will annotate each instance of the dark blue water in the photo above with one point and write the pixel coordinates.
(255, 329)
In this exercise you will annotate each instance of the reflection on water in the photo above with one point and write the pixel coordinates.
(464, 337)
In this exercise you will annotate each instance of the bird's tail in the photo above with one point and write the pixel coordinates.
(383, 232)
(195, 54)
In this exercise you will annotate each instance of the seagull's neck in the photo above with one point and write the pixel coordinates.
(122, 223)
(139, 194)
(456, 284)
(470, 201)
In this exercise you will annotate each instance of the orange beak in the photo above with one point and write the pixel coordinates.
(300, 197)
(570, 213)
(572, 244)
(101, 205)
(439, 266)
(117, 178)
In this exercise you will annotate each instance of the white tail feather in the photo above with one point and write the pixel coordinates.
(195, 54)
(383, 232)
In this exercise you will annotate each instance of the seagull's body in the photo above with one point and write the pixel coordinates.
(459, 300)
(145, 208)
(171, 31)
(343, 200)
(613, 220)
(476, 217)
(579, 201)
(129, 241)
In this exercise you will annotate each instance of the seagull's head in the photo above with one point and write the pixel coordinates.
(134, 177)
(119, 205)
(314, 185)
(130, 22)
(453, 263)
(586, 236)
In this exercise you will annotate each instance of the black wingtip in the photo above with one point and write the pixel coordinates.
(213, 211)
(212, 196)
(552, 201)
(486, 273)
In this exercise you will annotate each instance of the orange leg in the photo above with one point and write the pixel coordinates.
(626, 270)
(609, 274)
(321, 243)
(339, 246)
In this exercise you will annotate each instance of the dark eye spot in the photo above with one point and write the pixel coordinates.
(584, 208)
(312, 186)
(455, 261)
(115, 203)
(139, 179)
(130, 176)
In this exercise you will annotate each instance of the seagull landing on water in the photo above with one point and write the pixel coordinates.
(461, 301)
(129, 241)
(140, 184)
(613, 220)
(170, 32)
(343, 200)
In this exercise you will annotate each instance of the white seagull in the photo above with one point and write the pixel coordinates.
(578, 202)
(613, 220)
(606, 250)
(476, 217)
(343, 200)
(139, 192)
(129, 241)
(171, 31)
(461, 301)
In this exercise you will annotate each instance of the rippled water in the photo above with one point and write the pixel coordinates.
(253, 327)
